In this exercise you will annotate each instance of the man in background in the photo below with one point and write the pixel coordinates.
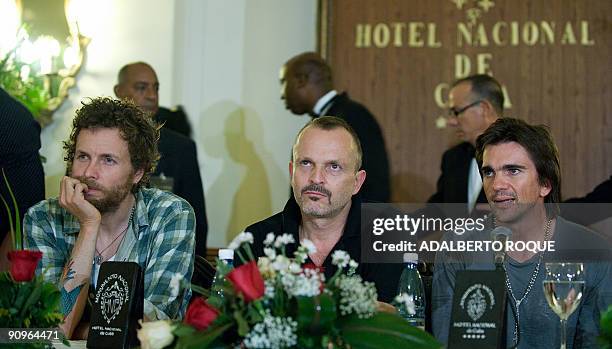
(307, 88)
(19, 158)
(178, 168)
(476, 102)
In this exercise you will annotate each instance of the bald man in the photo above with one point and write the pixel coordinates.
(178, 165)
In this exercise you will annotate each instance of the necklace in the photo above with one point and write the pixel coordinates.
(532, 280)
(98, 257)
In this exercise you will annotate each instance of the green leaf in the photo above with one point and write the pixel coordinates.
(33, 298)
(182, 330)
(201, 339)
(384, 330)
(243, 325)
(605, 324)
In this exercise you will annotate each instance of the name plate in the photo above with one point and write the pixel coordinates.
(478, 318)
(117, 306)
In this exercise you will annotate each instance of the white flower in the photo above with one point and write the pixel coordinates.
(283, 240)
(308, 283)
(406, 302)
(269, 290)
(175, 285)
(270, 252)
(265, 267)
(340, 258)
(240, 239)
(281, 263)
(356, 296)
(269, 239)
(294, 268)
(156, 334)
(309, 245)
(273, 332)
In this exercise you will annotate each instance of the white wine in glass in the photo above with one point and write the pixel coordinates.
(563, 288)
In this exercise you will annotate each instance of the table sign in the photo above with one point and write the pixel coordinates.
(478, 318)
(117, 306)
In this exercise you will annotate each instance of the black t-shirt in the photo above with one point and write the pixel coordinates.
(384, 276)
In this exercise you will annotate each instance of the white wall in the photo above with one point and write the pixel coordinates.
(119, 36)
(220, 60)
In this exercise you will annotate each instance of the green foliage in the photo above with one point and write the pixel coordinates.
(33, 304)
(14, 222)
(31, 92)
(384, 330)
(605, 338)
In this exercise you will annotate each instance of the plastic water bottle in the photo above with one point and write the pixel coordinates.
(411, 284)
(226, 256)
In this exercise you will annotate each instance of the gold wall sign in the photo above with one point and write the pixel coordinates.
(551, 57)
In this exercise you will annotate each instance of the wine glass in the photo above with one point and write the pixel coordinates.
(563, 288)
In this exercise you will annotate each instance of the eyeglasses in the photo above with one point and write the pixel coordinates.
(456, 112)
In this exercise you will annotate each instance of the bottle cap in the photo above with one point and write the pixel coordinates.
(411, 257)
(226, 253)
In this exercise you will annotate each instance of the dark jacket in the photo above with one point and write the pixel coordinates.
(452, 186)
(174, 119)
(385, 276)
(19, 145)
(179, 160)
(584, 211)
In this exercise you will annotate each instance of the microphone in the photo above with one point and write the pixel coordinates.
(501, 234)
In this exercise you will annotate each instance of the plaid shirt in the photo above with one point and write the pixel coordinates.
(160, 239)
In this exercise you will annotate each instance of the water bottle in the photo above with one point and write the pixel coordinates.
(226, 256)
(411, 284)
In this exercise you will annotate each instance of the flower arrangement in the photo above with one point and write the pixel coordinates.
(280, 302)
(26, 301)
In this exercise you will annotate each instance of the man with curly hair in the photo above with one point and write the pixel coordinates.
(104, 212)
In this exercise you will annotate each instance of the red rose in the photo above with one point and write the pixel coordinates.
(247, 281)
(200, 315)
(23, 264)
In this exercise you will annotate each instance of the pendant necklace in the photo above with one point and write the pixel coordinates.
(98, 257)
(532, 280)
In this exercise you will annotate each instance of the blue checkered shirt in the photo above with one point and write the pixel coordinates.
(161, 240)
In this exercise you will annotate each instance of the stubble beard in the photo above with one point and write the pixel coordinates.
(310, 207)
(112, 197)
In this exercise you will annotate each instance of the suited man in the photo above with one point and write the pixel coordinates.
(307, 88)
(178, 164)
(475, 103)
(19, 158)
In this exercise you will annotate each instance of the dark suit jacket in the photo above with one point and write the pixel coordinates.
(589, 214)
(452, 185)
(19, 145)
(375, 161)
(179, 160)
(174, 119)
